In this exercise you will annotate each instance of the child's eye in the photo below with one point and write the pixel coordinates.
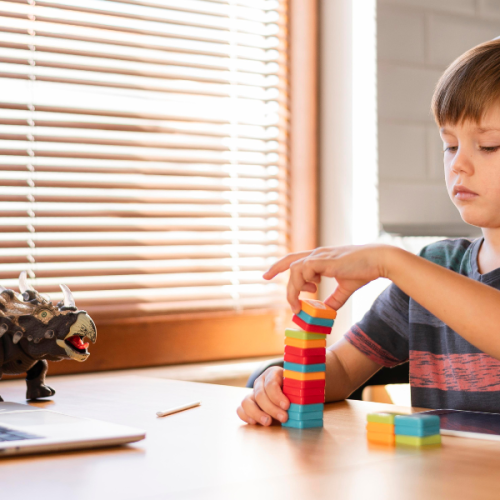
(490, 149)
(452, 149)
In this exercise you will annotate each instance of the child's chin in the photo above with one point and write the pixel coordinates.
(478, 220)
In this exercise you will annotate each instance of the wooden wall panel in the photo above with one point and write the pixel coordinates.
(201, 338)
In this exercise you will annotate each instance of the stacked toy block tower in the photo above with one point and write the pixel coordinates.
(409, 430)
(305, 364)
(380, 428)
(417, 430)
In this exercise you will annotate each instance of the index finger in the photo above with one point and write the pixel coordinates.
(284, 264)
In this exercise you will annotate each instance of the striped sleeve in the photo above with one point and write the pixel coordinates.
(382, 335)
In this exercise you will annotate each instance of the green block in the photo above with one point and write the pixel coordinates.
(300, 334)
(382, 417)
(418, 441)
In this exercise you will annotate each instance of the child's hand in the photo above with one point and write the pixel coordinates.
(352, 267)
(266, 401)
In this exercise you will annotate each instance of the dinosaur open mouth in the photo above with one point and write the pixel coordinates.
(76, 343)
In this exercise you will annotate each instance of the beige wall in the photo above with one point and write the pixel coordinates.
(417, 39)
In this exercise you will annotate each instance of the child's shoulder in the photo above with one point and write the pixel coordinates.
(451, 253)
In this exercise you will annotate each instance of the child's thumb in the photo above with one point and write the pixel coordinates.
(338, 298)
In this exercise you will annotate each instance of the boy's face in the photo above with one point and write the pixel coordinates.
(472, 168)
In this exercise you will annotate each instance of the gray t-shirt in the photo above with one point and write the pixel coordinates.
(446, 371)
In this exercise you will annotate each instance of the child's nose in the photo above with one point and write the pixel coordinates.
(462, 162)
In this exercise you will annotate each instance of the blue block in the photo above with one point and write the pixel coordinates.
(311, 415)
(303, 424)
(315, 321)
(295, 408)
(405, 430)
(295, 367)
(417, 425)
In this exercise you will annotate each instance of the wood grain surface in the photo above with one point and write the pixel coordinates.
(208, 453)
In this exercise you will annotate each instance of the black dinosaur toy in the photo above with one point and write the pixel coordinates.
(33, 330)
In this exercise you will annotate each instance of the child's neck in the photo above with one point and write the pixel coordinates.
(488, 258)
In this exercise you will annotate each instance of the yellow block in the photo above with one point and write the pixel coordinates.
(304, 344)
(380, 428)
(317, 309)
(304, 376)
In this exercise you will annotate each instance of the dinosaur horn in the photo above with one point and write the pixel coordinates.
(23, 283)
(69, 301)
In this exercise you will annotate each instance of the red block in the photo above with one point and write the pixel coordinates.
(305, 360)
(325, 330)
(293, 391)
(303, 384)
(306, 400)
(298, 351)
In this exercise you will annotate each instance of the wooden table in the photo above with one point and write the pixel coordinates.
(208, 453)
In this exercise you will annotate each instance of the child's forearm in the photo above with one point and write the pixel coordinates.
(346, 369)
(470, 308)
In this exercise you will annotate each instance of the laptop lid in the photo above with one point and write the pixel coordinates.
(26, 429)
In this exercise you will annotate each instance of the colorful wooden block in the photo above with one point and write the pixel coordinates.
(297, 351)
(311, 328)
(301, 334)
(317, 309)
(305, 344)
(304, 376)
(382, 417)
(306, 400)
(381, 438)
(380, 428)
(303, 384)
(303, 424)
(418, 441)
(419, 425)
(311, 415)
(306, 408)
(305, 360)
(296, 367)
(315, 321)
(294, 391)
(412, 431)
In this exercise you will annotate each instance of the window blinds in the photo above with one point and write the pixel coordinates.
(143, 151)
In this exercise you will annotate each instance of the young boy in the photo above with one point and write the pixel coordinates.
(442, 310)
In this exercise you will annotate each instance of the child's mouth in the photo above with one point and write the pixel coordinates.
(463, 194)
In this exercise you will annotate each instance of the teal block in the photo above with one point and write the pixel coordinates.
(312, 415)
(405, 430)
(303, 424)
(420, 423)
(315, 321)
(295, 408)
(295, 367)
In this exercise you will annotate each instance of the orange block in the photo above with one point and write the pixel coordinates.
(317, 309)
(381, 438)
(304, 376)
(305, 344)
(379, 427)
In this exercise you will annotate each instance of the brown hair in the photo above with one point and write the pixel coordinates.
(469, 86)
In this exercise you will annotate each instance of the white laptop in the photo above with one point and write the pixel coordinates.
(26, 429)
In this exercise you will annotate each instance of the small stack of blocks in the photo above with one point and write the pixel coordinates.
(305, 358)
(410, 430)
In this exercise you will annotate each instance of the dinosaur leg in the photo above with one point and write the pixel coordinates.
(35, 381)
